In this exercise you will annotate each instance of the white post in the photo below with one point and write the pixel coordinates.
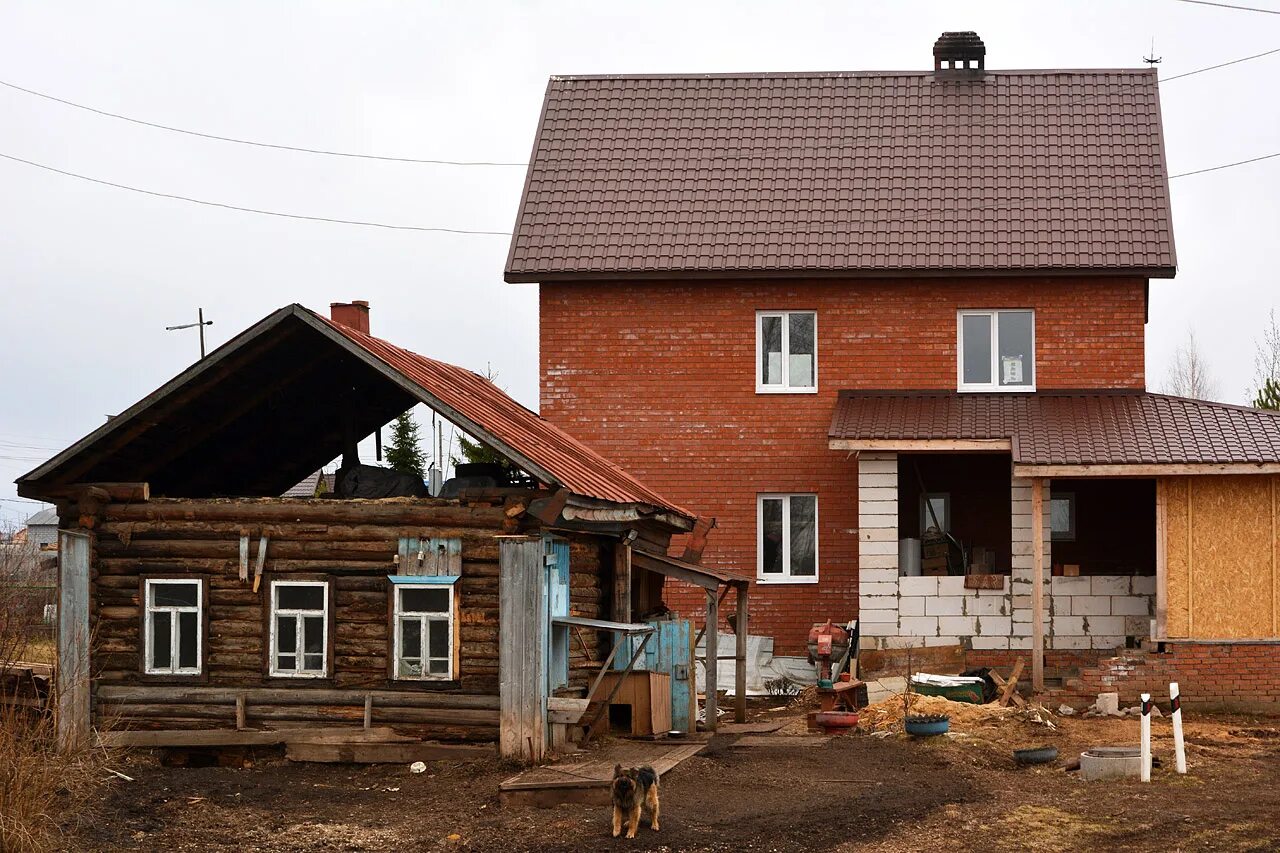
(1146, 737)
(1175, 709)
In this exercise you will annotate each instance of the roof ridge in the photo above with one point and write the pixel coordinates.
(768, 75)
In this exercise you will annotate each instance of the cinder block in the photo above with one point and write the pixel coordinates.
(1110, 626)
(1110, 585)
(942, 641)
(1105, 641)
(1001, 625)
(985, 641)
(1061, 605)
(879, 561)
(986, 605)
(1020, 641)
(878, 534)
(877, 602)
(918, 586)
(903, 642)
(877, 628)
(866, 575)
(1090, 605)
(880, 491)
(1059, 641)
(878, 589)
(912, 605)
(1143, 584)
(1137, 626)
(964, 626)
(1069, 626)
(944, 605)
(1022, 602)
(1129, 605)
(951, 585)
(918, 626)
(1071, 586)
(869, 548)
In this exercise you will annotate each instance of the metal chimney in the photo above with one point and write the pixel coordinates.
(961, 51)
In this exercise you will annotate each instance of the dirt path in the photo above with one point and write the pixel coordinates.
(854, 793)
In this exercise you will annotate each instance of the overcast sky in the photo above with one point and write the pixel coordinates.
(91, 275)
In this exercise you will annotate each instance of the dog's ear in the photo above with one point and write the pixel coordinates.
(617, 770)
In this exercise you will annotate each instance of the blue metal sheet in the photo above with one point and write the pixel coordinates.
(436, 579)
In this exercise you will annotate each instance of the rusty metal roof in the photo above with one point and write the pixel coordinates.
(865, 173)
(474, 402)
(1069, 427)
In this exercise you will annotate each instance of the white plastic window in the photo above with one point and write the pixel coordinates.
(786, 351)
(299, 629)
(174, 622)
(424, 632)
(996, 350)
(1062, 516)
(787, 544)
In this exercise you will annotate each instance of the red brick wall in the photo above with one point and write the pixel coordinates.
(660, 377)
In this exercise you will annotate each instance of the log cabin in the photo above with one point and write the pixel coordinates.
(196, 606)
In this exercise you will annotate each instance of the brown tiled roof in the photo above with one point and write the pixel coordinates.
(869, 173)
(1069, 428)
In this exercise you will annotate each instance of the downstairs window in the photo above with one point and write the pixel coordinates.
(787, 544)
(173, 627)
(299, 629)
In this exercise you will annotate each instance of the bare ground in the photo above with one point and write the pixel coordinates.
(857, 792)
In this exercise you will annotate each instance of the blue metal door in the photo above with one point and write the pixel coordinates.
(668, 651)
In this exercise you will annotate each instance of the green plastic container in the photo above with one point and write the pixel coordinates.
(971, 693)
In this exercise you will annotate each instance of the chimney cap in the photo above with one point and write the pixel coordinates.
(959, 48)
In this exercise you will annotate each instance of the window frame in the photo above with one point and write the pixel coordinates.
(785, 387)
(924, 510)
(201, 673)
(451, 619)
(994, 385)
(786, 577)
(1070, 534)
(273, 671)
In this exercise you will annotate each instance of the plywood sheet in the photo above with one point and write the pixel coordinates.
(1177, 556)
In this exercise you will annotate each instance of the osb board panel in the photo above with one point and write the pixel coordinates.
(1221, 553)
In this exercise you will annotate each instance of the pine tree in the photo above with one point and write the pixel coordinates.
(403, 451)
(1268, 396)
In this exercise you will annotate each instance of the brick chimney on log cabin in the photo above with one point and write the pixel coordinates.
(353, 315)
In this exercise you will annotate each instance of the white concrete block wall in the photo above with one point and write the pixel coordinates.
(1099, 612)
(878, 587)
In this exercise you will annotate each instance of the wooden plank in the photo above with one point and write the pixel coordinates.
(740, 659)
(244, 555)
(74, 552)
(181, 694)
(442, 556)
(251, 737)
(386, 753)
(621, 611)
(522, 603)
(1037, 584)
(920, 444)
(712, 663)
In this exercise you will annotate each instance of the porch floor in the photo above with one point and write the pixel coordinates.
(587, 779)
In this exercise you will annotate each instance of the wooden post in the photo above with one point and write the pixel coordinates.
(522, 648)
(240, 712)
(712, 666)
(72, 681)
(1037, 584)
(622, 581)
(368, 710)
(1162, 564)
(740, 659)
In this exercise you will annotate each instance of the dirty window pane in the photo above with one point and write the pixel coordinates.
(411, 638)
(161, 654)
(286, 634)
(313, 634)
(291, 597)
(313, 663)
(1061, 517)
(939, 504)
(438, 634)
(804, 553)
(187, 658)
(800, 358)
(439, 667)
(771, 535)
(424, 600)
(175, 594)
(1017, 361)
(286, 662)
(771, 350)
(975, 342)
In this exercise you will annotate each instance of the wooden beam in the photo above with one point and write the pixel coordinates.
(72, 725)
(740, 659)
(712, 664)
(921, 445)
(622, 581)
(114, 492)
(1037, 584)
(1162, 470)
(1162, 560)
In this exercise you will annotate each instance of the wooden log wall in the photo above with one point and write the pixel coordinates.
(354, 544)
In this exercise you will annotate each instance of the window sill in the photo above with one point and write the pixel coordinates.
(994, 389)
(772, 581)
(763, 390)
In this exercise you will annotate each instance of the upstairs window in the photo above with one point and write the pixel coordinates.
(786, 352)
(935, 512)
(788, 538)
(173, 627)
(299, 629)
(997, 350)
(424, 631)
(1062, 516)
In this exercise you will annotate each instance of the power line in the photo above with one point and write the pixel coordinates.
(254, 209)
(239, 141)
(1229, 6)
(1219, 65)
(1224, 166)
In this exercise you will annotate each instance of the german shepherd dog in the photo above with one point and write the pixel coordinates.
(633, 789)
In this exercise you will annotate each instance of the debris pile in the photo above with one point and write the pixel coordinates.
(886, 715)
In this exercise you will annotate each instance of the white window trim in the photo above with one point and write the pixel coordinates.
(786, 577)
(274, 651)
(785, 387)
(994, 385)
(1068, 535)
(925, 520)
(173, 611)
(424, 618)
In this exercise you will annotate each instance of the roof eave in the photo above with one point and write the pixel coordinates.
(518, 276)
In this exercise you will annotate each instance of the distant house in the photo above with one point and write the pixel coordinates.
(42, 529)
(314, 484)
(888, 328)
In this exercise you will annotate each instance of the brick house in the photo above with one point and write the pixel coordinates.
(885, 326)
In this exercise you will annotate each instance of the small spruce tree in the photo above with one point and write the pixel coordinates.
(403, 451)
(1268, 396)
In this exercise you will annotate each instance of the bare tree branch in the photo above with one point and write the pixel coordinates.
(1189, 375)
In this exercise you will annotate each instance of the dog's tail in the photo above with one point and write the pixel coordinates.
(647, 775)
